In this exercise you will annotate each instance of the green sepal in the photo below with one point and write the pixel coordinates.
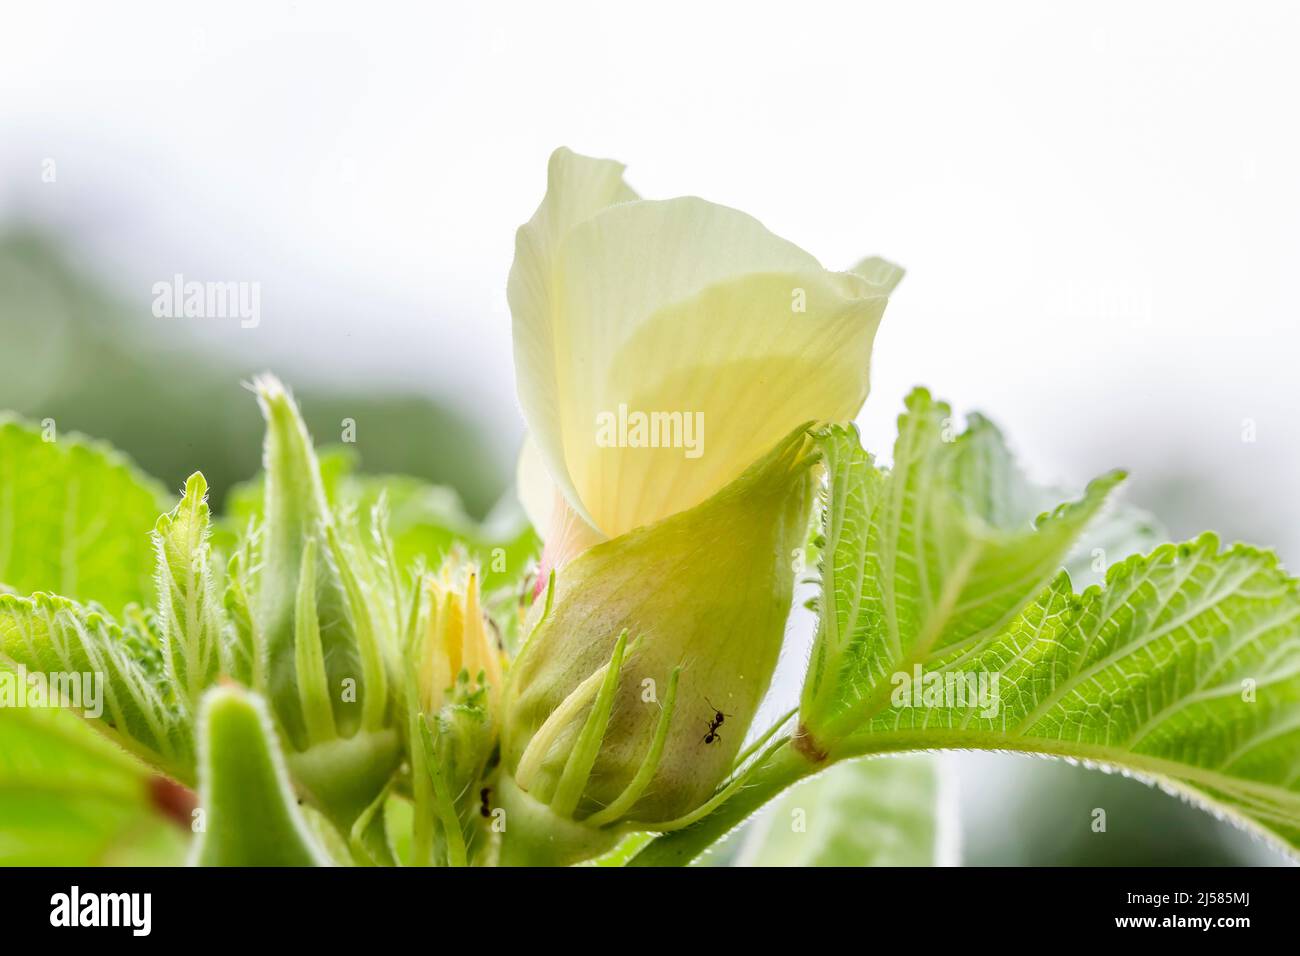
(707, 592)
(537, 836)
(250, 814)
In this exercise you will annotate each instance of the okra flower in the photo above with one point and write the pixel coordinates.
(669, 357)
(662, 347)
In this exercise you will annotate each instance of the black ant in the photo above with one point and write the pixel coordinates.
(714, 724)
(485, 800)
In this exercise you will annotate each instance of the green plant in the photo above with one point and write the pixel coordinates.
(347, 669)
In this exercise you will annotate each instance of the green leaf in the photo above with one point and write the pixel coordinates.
(1184, 668)
(251, 816)
(190, 614)
(117, 670)
(74, 517)
(866, 812)
(938, 554)
(68, 797)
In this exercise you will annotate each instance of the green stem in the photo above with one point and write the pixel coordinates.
(779, 770)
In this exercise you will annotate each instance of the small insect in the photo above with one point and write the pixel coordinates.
(485, 801)
(718, 718)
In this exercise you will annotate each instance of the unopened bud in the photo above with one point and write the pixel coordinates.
(323, 623)
(646, 663)
(459, 645)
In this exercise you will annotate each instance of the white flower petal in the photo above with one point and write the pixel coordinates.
(577, 187)
(695, 309)
(684, 308)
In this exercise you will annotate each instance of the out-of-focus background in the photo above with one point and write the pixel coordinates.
(1097, 206)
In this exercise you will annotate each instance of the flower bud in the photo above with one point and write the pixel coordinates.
(458, 646)
(455, 683)
(646, 662)
(322, 607)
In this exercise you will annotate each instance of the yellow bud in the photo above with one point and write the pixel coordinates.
(458, 641)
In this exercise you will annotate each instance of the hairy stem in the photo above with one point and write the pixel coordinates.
(781, 769)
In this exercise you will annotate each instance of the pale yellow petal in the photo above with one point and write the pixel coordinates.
(690, 309)
(534, 487)
(881, 273)
(577, 187)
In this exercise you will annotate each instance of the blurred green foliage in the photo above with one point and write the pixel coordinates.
(74, 518)
(69, 797)
(1049, 817)
(71, 352)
